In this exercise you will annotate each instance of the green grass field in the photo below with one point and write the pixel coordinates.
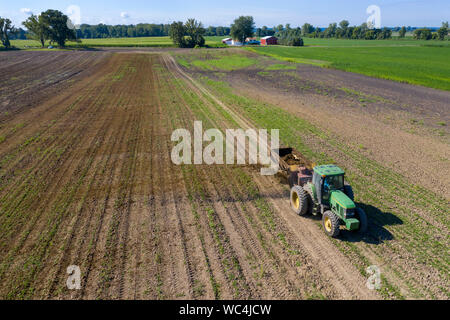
(408, 41)
(422, 65)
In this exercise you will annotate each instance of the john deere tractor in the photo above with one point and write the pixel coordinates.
(324, 191)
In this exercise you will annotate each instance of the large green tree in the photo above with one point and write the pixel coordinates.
(37, 28)
(194, 31)
(402, 32)
(187, 35)
(243, 28)
(6, 29)
(177, 32)
(58, 30)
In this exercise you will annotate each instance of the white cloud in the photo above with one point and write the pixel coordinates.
(124, 15)
(27, 11)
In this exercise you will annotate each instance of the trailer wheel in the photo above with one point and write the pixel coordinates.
(299, 202)
(363, 222)
(330, 223)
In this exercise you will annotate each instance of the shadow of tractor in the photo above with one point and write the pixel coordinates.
(376, 232)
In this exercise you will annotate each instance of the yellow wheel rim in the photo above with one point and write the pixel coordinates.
(295, 200)
(328, 224)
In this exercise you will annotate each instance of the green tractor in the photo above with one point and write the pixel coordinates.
(327, 194)
(322, 191)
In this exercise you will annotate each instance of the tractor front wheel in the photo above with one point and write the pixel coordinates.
(299, 201)
(362, 217)
(330, 223)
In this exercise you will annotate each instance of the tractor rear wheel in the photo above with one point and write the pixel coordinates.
(330, 222)
(309, 198)
(299, 201)
(363, 222)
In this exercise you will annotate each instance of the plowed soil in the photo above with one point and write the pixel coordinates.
(86, 179)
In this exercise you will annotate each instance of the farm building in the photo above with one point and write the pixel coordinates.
(269, 40)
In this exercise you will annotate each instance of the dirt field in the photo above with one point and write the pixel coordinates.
(87, 180)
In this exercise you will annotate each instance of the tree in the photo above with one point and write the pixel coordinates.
(242, 28)
(343, 29)
(402, 32)
(6, 29)
(290, 37)
(177, 33)
(443, 31)
(330, 32)
(422, 34)
(307, 29)
(195, 32)
(37, 28)
(386, 33)
(57, 30)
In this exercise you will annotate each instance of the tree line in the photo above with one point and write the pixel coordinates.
(87, 31)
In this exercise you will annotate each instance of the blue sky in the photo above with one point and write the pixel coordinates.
(266, 12)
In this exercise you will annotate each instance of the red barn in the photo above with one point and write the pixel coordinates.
(269, 40)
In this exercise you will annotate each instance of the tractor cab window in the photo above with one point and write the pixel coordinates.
(332, 183)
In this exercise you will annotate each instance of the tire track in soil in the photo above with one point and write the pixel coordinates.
(115, 247)
(227, 256)
(127, 217)
(195, 243)
(179, 275)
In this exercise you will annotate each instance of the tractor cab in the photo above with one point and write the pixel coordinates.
(326, 180)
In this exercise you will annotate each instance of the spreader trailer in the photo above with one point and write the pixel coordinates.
(321, 190)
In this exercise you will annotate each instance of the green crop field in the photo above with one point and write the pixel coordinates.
(388, 59)
(408, 41)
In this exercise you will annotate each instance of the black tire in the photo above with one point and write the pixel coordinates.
(309, 198)
(363, 221)
(330, 223)
(348, 190)
(299, 202)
